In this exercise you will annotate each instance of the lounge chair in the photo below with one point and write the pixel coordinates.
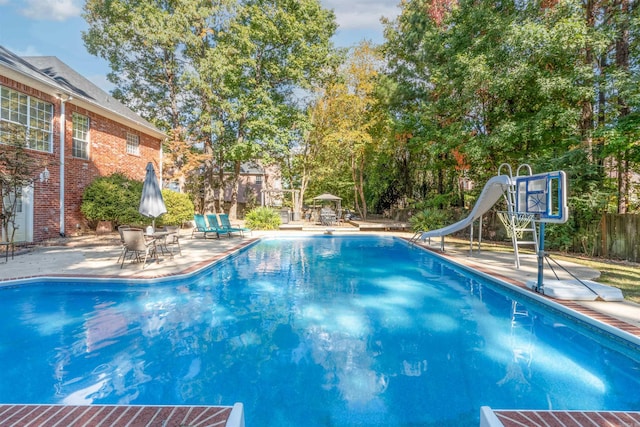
(224, 220)
(202, 227)
(212, 219)
(137, 245)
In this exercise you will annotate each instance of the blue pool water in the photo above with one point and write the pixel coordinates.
(317, 331)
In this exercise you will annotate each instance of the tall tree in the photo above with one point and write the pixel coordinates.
(225, 72)
(491, 82)
(143, 41)
(280, 46)
(345, 118)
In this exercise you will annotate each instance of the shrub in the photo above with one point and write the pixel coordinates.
(179, 208)
(116, 198)
(112, 198)
(262, 218)
(429, 219)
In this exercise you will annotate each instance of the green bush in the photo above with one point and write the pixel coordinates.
(429, 219)
(116, 198)
(262, 218)
(179, 208)
(112, 198)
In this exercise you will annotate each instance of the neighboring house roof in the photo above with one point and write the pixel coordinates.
(59, 78)
(246, 168)
(251, 168)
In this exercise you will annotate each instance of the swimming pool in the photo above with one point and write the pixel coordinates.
(315, 331)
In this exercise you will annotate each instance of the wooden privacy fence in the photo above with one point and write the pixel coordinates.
(620, 237)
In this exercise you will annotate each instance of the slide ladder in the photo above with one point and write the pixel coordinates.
(520, 226)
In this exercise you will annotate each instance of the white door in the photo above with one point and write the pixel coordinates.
(23, 222)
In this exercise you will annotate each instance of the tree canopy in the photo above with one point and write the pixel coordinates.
(457, 88)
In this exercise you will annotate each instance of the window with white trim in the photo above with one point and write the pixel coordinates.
(33, 115)
(133, 144)
(80, 145)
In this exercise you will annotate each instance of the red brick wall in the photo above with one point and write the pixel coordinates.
(46, 207)
(107, 154)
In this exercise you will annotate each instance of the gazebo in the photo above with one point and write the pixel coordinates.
(326, 197)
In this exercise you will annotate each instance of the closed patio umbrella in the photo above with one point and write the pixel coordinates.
(151, 203)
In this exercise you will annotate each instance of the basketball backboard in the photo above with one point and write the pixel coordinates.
(544, 195)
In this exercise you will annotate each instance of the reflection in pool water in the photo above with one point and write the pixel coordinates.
(313, 331)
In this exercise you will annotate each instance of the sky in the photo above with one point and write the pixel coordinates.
(54, 27)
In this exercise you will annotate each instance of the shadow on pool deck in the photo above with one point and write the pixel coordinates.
(96, 256)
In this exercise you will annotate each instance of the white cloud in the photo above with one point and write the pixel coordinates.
(362, 14)
(51, 10)
(30, 50)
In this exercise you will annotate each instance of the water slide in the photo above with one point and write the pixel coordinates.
(491, 193)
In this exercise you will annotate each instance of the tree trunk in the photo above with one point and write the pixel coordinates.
(586, 119)
(622, 64)
(363, 200)
(208, 203)
(357, 175)
(221, 186)
(602, 106)
(235, 184)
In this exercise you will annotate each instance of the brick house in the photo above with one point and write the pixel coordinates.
(257, 186)
(79, 130)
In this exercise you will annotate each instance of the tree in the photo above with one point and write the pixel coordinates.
(225, 72)
(144, 43)
(271, 49)
(481, 83)
(344, 119)
(18, 167)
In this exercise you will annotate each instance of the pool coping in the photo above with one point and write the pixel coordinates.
(187, 272)
(122, 415)
(528, 418)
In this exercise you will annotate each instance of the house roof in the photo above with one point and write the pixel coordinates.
(251, 168)
(246, 168)
(50, 75)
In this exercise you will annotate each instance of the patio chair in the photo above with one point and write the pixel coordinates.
(327, 216)
(226, 224)
(202, 227)
(136, 244)
(120, 229)
(172, 239)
